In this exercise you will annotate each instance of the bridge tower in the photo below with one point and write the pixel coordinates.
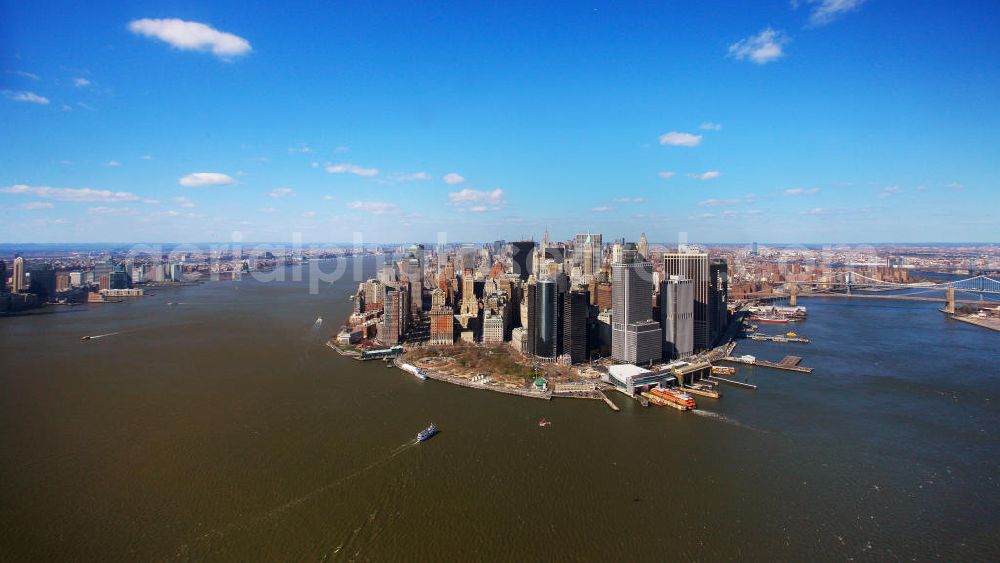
(793, 295)
(950, 304)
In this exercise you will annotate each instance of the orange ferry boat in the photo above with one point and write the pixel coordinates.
(675, 396)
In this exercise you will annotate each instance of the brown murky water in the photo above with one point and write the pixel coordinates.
(222, 429)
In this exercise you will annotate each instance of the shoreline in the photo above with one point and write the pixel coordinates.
(984, 323)
(454, 380)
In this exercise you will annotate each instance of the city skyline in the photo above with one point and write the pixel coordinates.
(781, 123)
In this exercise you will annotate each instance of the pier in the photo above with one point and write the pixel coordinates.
(705, 391)
(732, 382)
(788, 363)
(777, 338)
(610, 403)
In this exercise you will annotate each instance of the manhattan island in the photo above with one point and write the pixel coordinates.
(580, 317)
(553, 319)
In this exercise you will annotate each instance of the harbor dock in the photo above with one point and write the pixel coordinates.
(732, 382)
(788, 363)
(704, 391)
(758, 337)
(610, 403)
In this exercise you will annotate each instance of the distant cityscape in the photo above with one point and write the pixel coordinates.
(569, 317)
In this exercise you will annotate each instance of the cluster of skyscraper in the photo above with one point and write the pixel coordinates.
(555, 301)
(42, 283)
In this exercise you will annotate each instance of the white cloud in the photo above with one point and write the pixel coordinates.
(468, 199)
(112, 163)
(328, 197)
(103, 210)
(665, 175)
(37, 205)
(890, 191)
(147, 157)
(151, 201)
(954, 186)
(762, 48)
(453, 178)
(801, 191)
(309, 214)
(712, 202)
(411, 177)
(70, 194)
(710, 175)
(814, 211)
(25, 74)
(351, 169)
(702, 216)
(280, 192)
(826, 11)
(601, 209)
(192, 36)
(679, 139)
(267, 210)
(709, 126)
(21, 96)
(199, 179)
(373, 207)
(630, 200)
(81, 82)
(184, 202)
(303, 148)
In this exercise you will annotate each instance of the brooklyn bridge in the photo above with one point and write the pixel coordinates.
(974, 290)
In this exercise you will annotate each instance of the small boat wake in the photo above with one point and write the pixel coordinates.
(96, 336)
(319, 321)
(725, 419)
(280, 510)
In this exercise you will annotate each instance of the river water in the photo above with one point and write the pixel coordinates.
(220, 428)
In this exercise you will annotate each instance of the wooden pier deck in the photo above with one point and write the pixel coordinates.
(789, 363)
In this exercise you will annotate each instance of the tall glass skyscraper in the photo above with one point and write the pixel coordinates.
(693, 266)
(635, 336)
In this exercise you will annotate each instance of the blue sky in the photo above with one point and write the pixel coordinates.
(809, 121)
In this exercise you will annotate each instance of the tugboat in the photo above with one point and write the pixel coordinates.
(426, 433)
(543, 423)
(86, 337)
